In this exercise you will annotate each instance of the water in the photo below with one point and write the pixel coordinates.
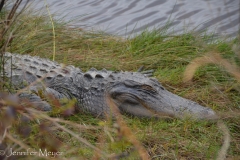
(130, 17)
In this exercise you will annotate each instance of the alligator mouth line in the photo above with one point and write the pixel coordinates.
(154, 113)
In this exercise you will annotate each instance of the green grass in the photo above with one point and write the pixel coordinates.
(169, 55)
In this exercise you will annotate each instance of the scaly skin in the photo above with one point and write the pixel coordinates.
(132, 92)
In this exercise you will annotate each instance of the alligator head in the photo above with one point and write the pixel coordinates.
(138, 95)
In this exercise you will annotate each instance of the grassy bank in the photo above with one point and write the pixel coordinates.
(169, 56)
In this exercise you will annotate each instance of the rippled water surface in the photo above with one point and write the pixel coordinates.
(129, 17)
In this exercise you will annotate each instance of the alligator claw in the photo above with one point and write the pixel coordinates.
(147, 73)
(150, 71)
(140, 69)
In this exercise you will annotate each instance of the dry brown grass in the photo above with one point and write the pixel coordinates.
(210, 58)
(234, 70)
(126, 131)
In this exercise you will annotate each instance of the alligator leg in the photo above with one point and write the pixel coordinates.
(36, 101)
(36, 95)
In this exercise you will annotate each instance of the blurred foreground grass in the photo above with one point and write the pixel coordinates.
(169, 55)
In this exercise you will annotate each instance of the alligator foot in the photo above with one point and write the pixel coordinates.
(37, 95)
(35, 101)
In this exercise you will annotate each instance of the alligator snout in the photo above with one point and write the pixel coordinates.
(172, 105)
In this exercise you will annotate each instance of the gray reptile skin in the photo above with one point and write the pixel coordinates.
(132, 92)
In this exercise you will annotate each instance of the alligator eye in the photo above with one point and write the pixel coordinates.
(130, 83)
(131, 101)
(148, 88)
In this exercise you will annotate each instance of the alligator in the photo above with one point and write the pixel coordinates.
(133, 93)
